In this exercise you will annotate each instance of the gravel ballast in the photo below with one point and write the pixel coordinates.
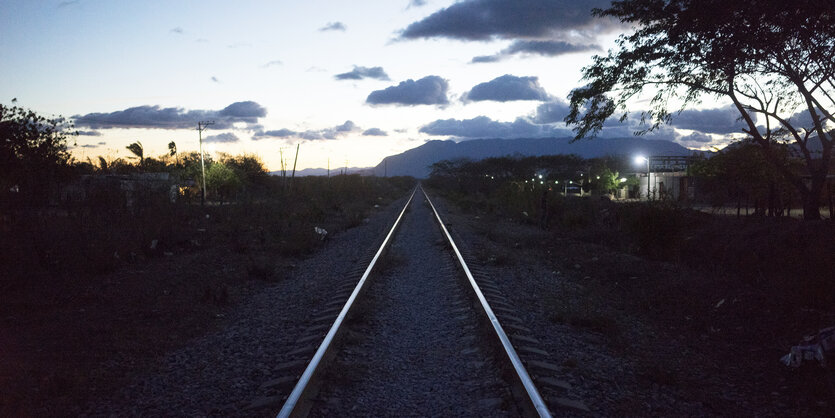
(414, 346)
(220, 374)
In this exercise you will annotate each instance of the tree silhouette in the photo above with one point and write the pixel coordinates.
(33, 152)
(138, 150)
(172, 151)
(103, 167)
(773, 60)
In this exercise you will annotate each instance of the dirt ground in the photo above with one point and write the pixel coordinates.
(646, 337)
(698, 334)
(65, 341)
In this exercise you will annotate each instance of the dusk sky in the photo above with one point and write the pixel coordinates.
(349, 81)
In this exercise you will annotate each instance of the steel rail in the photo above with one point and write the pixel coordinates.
(525, 379)
(306, 377)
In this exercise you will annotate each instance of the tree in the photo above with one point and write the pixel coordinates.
(222, 180)
(773, 60)
(33, 152)
(172, 150)
(740, 172)
(103, 166)
(138, 150)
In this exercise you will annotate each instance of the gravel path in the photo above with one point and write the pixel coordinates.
(616, 365)
(224, 373)
(414, 347)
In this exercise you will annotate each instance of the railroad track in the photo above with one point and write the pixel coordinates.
(415, 331)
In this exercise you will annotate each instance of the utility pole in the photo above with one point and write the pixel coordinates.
(200, 127)
(295, 161)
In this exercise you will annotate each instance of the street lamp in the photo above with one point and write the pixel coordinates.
(641, 159)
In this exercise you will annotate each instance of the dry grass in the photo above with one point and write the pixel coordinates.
(69, 276)
(585, 306)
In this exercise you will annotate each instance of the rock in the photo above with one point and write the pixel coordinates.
(570, 403)
(264, 401)
(491, 403)
(270, 384)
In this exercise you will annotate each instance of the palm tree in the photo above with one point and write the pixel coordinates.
(138, 150)
(103, 166)
(172, 150)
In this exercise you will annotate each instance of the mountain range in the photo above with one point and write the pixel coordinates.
(416, 161)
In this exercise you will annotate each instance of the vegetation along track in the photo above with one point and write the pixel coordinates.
(420, 337)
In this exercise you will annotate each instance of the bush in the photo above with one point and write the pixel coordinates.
(102, 233)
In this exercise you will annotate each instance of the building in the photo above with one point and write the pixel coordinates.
(667, 178)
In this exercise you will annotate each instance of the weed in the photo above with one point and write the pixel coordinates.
(583, 308)
(261, 268)
(216, 294)
(660, 374)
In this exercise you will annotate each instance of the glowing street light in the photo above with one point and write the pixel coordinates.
(639, 160)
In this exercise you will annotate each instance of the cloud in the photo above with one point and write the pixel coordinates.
(508, 88)
(272, 63)
(430, 90)
(279, 133)
(156, 117)
(695, 137)
(348, 126)
(375, 132)
(248, 109)
(548, 48)
(312, 135)
(481, 20)
(339, 130)
(178, 30)
(225, 138)
(89, 133)
(551, 112)
(359, 73)
(803, 120)
(723, 120)
(484, 127)
(485, 59)
(333, 26)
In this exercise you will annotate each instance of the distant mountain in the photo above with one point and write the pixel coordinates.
(416, 161)
(323, 171)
